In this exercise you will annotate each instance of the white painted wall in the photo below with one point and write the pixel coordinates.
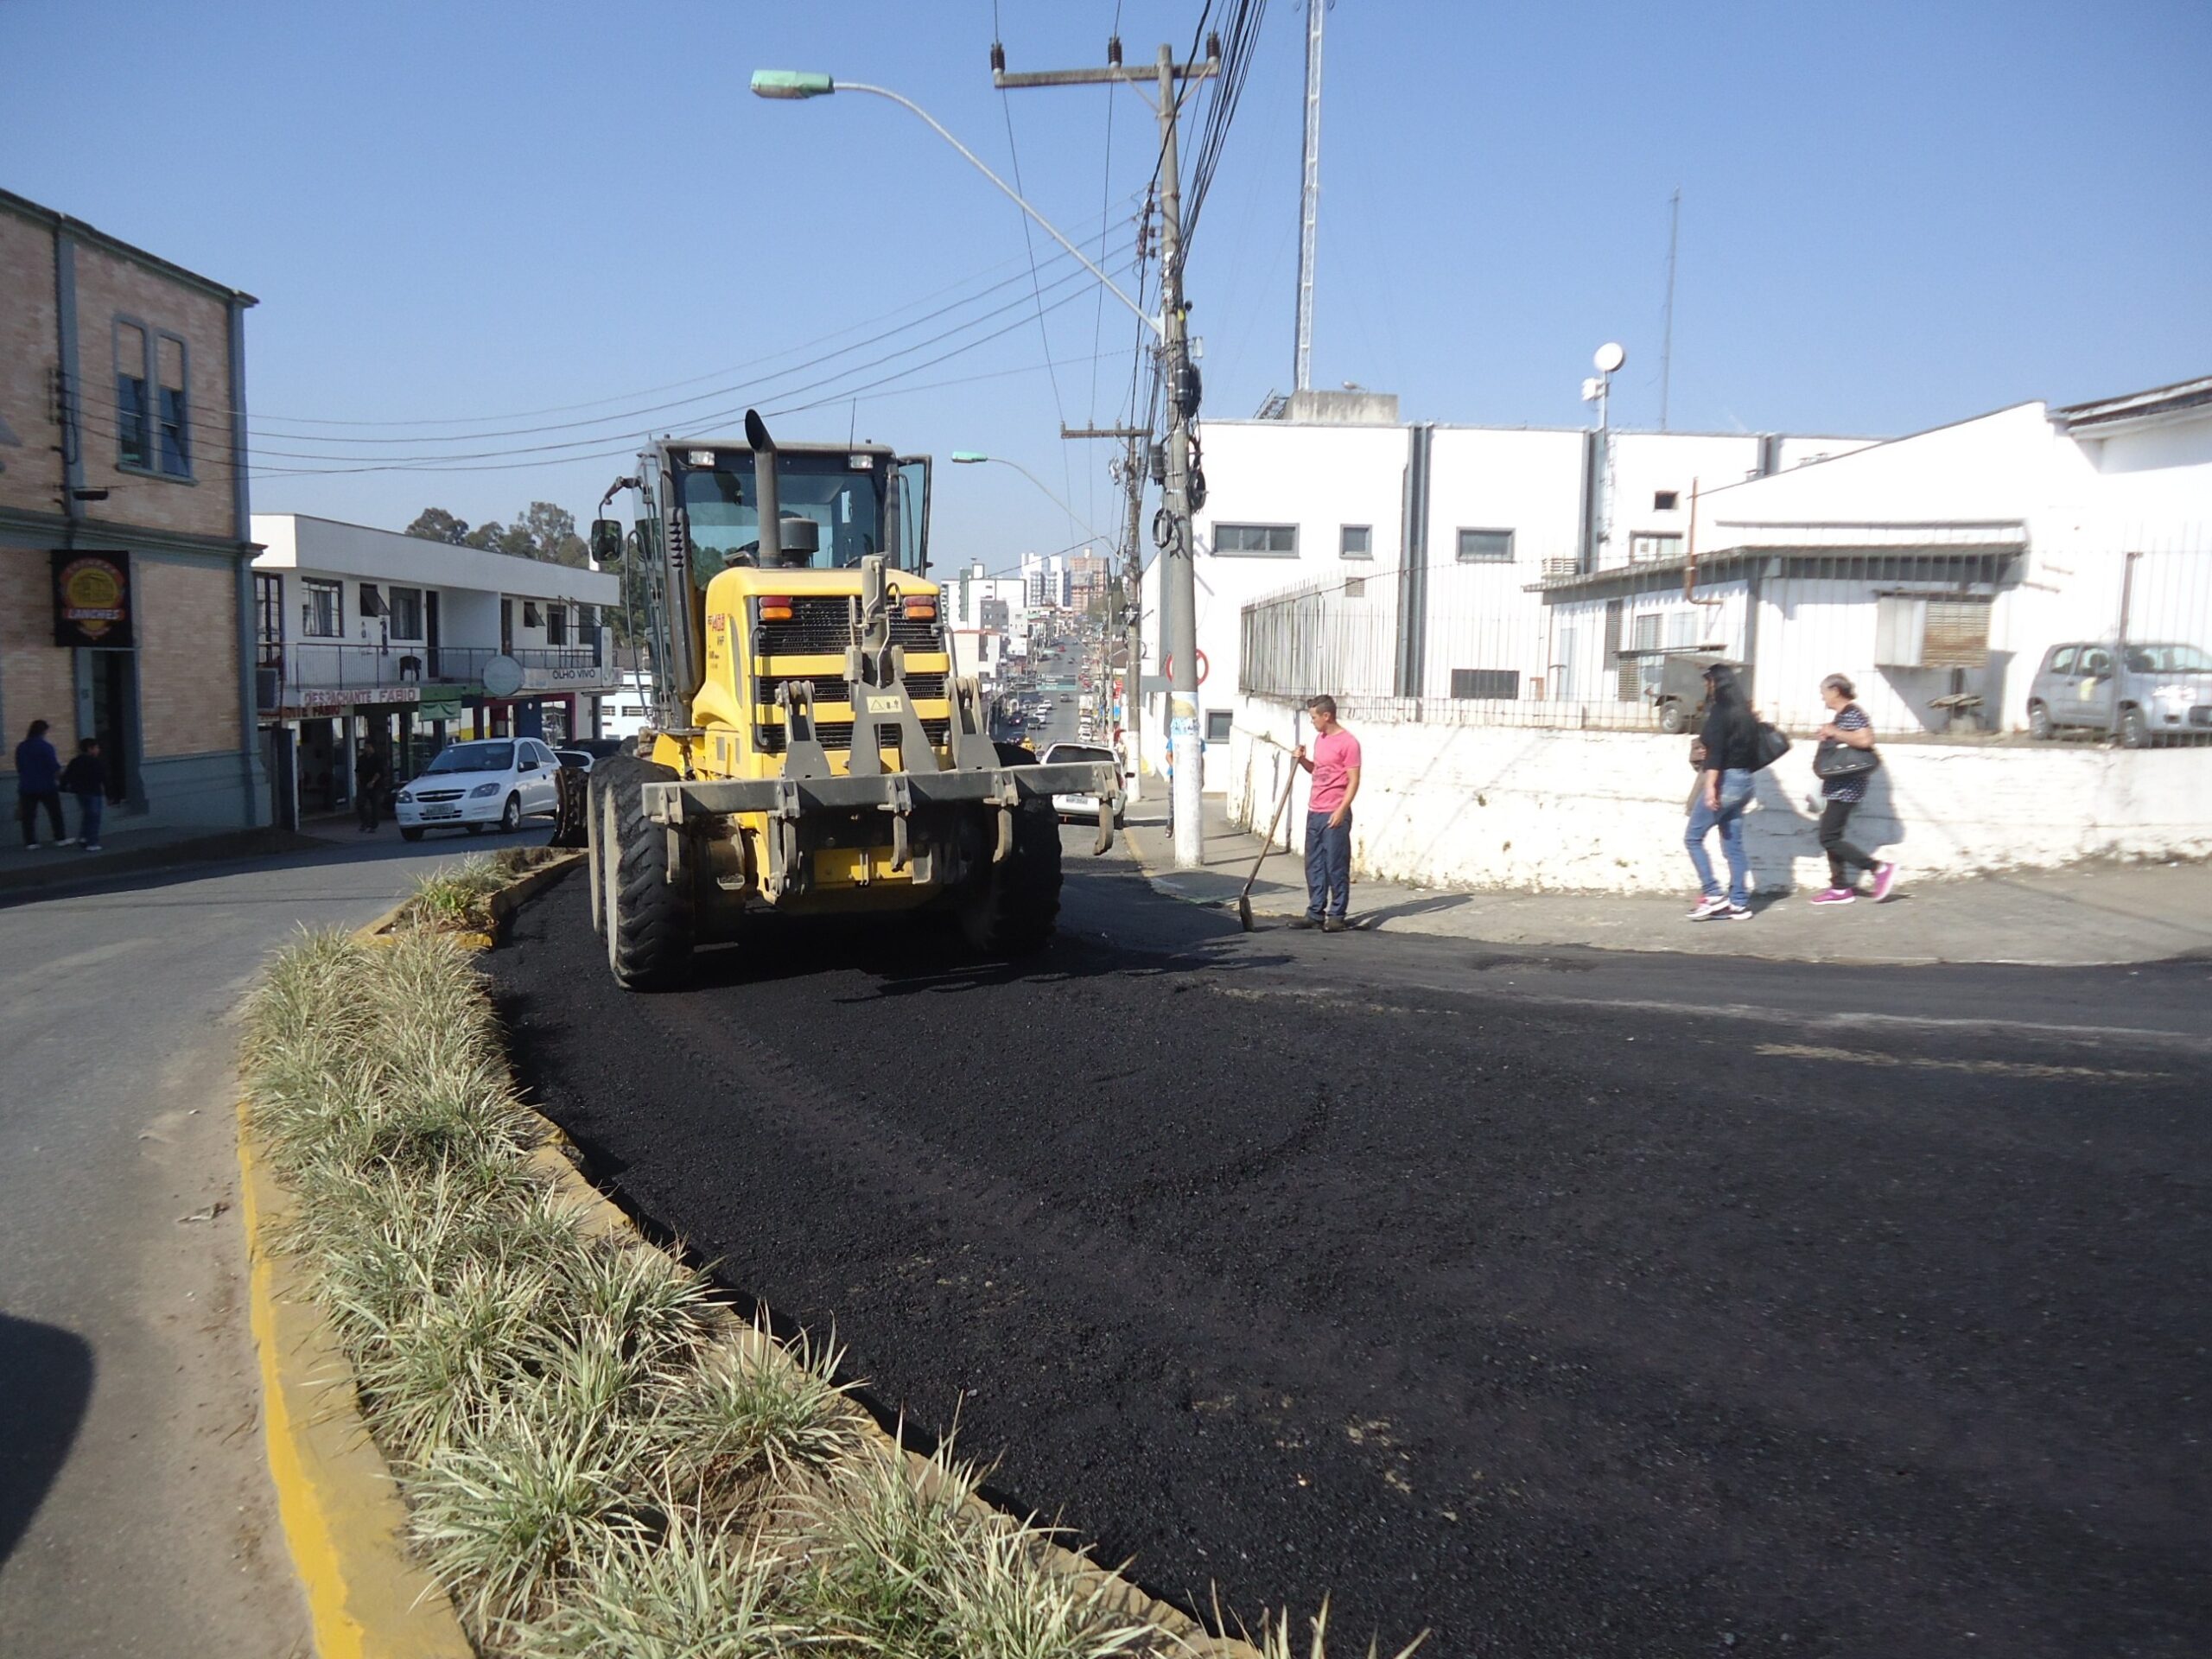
(1540, 810)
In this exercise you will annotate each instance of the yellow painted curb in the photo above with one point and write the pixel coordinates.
(336, 1500)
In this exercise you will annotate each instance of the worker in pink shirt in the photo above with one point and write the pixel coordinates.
(1334, 762)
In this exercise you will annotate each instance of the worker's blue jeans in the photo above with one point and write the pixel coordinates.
(1328, 867)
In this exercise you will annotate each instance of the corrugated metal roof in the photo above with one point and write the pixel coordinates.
(2183, 398)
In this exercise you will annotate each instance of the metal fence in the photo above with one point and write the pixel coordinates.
(285, 671)
(1956, 641)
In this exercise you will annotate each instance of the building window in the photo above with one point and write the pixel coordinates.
(171, 409)
(1485, 547)
(529, 613)
(1218, 725)
(1486, 684)
(134, 427)
(557, 625)
(1663, 501)
(1646, 546)
(372, 601)
(1355, 542)
(153, 417)
(1354, 587)
(323, 611)
(404, 607)
(1256, 541)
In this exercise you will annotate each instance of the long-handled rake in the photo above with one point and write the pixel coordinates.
(1244, 899)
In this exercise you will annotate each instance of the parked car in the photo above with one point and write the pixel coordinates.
(468, 785)
(1086, 806)
(2150, 688)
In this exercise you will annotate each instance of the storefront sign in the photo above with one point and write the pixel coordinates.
(568, 679)
(92, 598)
(323, 700)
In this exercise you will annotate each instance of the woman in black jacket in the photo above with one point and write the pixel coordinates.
(1729, 743)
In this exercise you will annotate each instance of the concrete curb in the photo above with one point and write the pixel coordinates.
(338, 1501)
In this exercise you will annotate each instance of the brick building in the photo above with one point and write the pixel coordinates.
(125, 585)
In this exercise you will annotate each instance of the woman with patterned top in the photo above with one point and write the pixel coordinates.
(1852, 728)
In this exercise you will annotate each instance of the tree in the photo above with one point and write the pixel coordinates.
(436, 524)
(542, 530)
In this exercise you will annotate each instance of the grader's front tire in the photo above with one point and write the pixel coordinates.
(595, 839)
(1016, 903)
(649, 921)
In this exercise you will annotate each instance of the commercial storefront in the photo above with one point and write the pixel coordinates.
(124, 526)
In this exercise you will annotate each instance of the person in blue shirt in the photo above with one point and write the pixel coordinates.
(38, 782)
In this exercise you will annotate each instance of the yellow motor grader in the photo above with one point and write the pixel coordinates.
(812, 750)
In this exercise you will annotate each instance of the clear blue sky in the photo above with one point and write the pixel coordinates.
(1893, 215)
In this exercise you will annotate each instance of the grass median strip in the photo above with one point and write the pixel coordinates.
(597, 1458)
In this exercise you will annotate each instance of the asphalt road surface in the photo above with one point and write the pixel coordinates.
(1558, 1303)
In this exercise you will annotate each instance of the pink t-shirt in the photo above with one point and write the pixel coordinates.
(1333, 756)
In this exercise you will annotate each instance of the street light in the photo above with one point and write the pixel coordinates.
(793, 84)
(973, 458)
(1599, 389)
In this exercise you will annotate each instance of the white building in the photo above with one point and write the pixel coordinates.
(989, 617)
(1454, 525)
(1048, 580)
(1937, 570)
(364, 634)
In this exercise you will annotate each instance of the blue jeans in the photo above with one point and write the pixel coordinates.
(1735, 795)
(89, 809)
(1328, 867)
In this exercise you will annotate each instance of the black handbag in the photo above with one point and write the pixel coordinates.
(1772, 744)
(1834, 759)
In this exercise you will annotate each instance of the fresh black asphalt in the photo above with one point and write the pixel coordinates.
(1513, 1295)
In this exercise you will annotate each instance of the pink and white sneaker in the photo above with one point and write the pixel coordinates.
(1709, 908)
(1833, 896)
(1886, 877)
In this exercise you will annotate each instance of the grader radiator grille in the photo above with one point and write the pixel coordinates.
(820, 622)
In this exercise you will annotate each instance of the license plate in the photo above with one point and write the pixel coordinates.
(440, 811)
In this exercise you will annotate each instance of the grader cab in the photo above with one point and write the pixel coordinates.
(814, 750)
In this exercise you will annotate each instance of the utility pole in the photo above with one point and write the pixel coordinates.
(1667, 338)
(1128, 588)
(1178, 593)
(1309, 196)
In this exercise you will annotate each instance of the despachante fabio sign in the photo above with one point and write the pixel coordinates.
(91, 599)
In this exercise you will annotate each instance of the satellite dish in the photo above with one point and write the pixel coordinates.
(503, 678)
(1609, 357)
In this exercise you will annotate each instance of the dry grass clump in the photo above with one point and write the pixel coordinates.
(598, 1460)
(458, 899)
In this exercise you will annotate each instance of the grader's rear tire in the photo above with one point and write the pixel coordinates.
(1016, 903)
(650, 923)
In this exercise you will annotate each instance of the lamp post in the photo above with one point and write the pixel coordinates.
(1599, 389)
(792, 84)
(1179, 608)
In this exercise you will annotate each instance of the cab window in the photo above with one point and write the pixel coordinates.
(723, 506)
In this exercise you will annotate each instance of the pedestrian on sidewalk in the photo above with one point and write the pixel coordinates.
(38, 783)
(85, 777)
(1726, 752)
(1335, 763)
(368, 786)
(1852, 729)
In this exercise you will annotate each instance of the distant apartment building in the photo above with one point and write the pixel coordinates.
(989, 617)
(126, 595)
(1048, 580)
(362, 633)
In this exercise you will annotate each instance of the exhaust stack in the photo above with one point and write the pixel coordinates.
(767, 485)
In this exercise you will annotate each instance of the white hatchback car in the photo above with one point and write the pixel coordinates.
(1084, 806)
(496, 780)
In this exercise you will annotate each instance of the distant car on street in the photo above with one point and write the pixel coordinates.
(468, 785)
(2151, 689)
(1086, 806)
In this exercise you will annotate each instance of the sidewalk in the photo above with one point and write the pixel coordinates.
(125, 851)
(2088, 915)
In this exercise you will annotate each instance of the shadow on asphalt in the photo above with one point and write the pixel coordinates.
(46, 1378)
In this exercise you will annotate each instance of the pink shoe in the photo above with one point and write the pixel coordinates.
(1834, 896)
(1886, 877)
